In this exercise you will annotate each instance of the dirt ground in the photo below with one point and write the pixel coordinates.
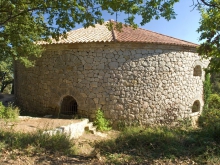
(86, 153)
(30, 124)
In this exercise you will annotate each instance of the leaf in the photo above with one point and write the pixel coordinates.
(23, 23)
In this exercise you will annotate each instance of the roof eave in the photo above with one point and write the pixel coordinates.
(158, 43)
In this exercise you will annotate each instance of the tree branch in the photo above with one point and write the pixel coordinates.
(210, 4)
(23, 12)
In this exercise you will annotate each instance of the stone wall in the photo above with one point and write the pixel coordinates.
(130, 82)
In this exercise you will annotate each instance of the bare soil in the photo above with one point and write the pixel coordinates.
(84, 144)
(86, 154)
(30, 124)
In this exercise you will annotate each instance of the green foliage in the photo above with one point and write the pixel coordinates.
(101, 122)
(6, 75)
(209, 30)
(36, 142)
(8, 113)
(23, 23)
(210, 123)
(138, 145)
(215, 81)
(214, 101)
(210, 118)
(207, 88)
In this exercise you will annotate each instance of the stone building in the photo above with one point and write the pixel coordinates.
(133, 76)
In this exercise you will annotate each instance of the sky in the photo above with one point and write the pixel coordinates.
(183, 27)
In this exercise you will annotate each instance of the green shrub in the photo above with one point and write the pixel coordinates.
(8, 113)
(210, 118)
(214, 101)
(207, 89)
(101, 122)
(210, 122)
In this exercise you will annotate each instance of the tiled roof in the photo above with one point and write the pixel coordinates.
(145, 36)
(100, 33)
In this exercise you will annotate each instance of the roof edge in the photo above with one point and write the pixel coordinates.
(196, 45)
(169, 36)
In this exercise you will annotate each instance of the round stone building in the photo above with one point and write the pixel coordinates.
(133, 76)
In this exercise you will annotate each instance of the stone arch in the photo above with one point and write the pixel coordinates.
(69, 106)
(196, 106)
(197, 71)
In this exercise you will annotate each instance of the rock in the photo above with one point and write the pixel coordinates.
(113, 65)
(130, 81)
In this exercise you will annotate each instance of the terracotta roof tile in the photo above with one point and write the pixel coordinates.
(100, 33)
(129, 34)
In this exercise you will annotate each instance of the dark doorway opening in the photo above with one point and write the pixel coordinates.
(196, 106)
(68, 106)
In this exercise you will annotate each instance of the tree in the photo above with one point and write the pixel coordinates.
(24, 22)
(6, 74)
(210, 32)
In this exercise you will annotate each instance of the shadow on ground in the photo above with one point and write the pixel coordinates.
(6, 99)
(164, 144)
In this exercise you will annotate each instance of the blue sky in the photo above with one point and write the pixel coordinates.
(183, 27)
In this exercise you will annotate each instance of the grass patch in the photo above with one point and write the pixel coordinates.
(9, 113)
(146, 145)
(36, 143)
(13, 143)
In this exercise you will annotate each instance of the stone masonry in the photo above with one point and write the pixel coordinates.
(131, 82)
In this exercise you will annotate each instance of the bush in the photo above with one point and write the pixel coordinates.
(101, 122)
(210, 122)
(214, 101)
(207, 89)
(8, 113)
(210, 118)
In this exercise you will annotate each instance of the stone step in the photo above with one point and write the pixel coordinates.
(86, 121)
(90, 127)
(93, 130)
(75, 130)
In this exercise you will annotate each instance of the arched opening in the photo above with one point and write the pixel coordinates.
(196, 106)
(68, 106)
(197, 71)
